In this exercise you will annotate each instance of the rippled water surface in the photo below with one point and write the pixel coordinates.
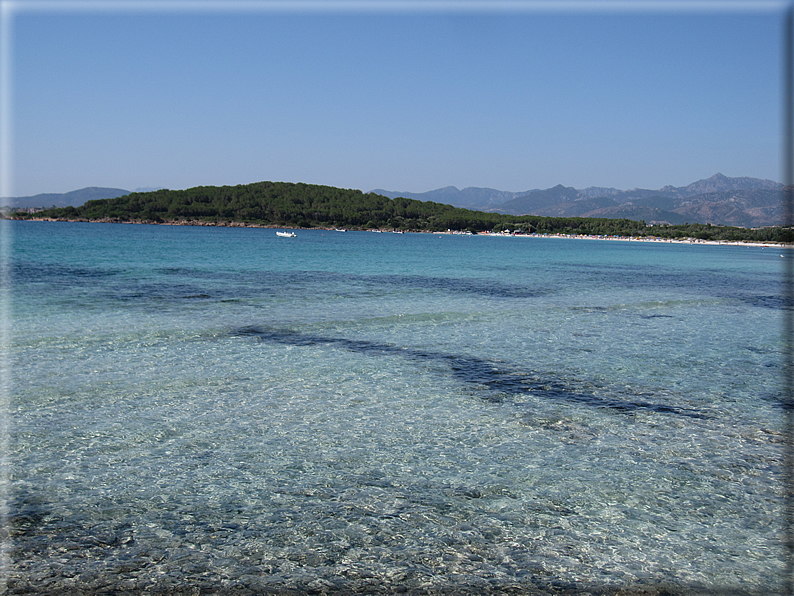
(212, 410)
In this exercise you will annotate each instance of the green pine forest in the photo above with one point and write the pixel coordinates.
(298, 205)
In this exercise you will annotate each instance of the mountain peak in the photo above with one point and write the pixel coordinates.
(720, 183)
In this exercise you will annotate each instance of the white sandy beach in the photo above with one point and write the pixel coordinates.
(639, 239)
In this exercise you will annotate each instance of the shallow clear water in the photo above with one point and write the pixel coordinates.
(221, 409)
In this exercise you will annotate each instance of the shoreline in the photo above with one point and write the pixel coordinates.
(198, 223)
(643, 240)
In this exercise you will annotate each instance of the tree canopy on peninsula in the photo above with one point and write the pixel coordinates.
(299, 205)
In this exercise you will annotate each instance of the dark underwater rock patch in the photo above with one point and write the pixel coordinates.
(495, 378)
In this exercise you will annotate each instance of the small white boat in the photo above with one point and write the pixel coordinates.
(286, 234)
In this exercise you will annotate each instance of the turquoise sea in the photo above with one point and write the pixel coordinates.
(202, 410)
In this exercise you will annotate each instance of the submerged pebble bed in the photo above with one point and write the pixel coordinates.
(211, 411)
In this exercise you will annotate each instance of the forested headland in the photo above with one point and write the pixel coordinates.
(298, 205)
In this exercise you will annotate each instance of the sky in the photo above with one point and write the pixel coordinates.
(402, 96)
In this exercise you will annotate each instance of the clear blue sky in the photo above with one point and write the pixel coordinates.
(407, 99)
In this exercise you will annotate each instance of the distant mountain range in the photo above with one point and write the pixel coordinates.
(74, 198)
(720, 200)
